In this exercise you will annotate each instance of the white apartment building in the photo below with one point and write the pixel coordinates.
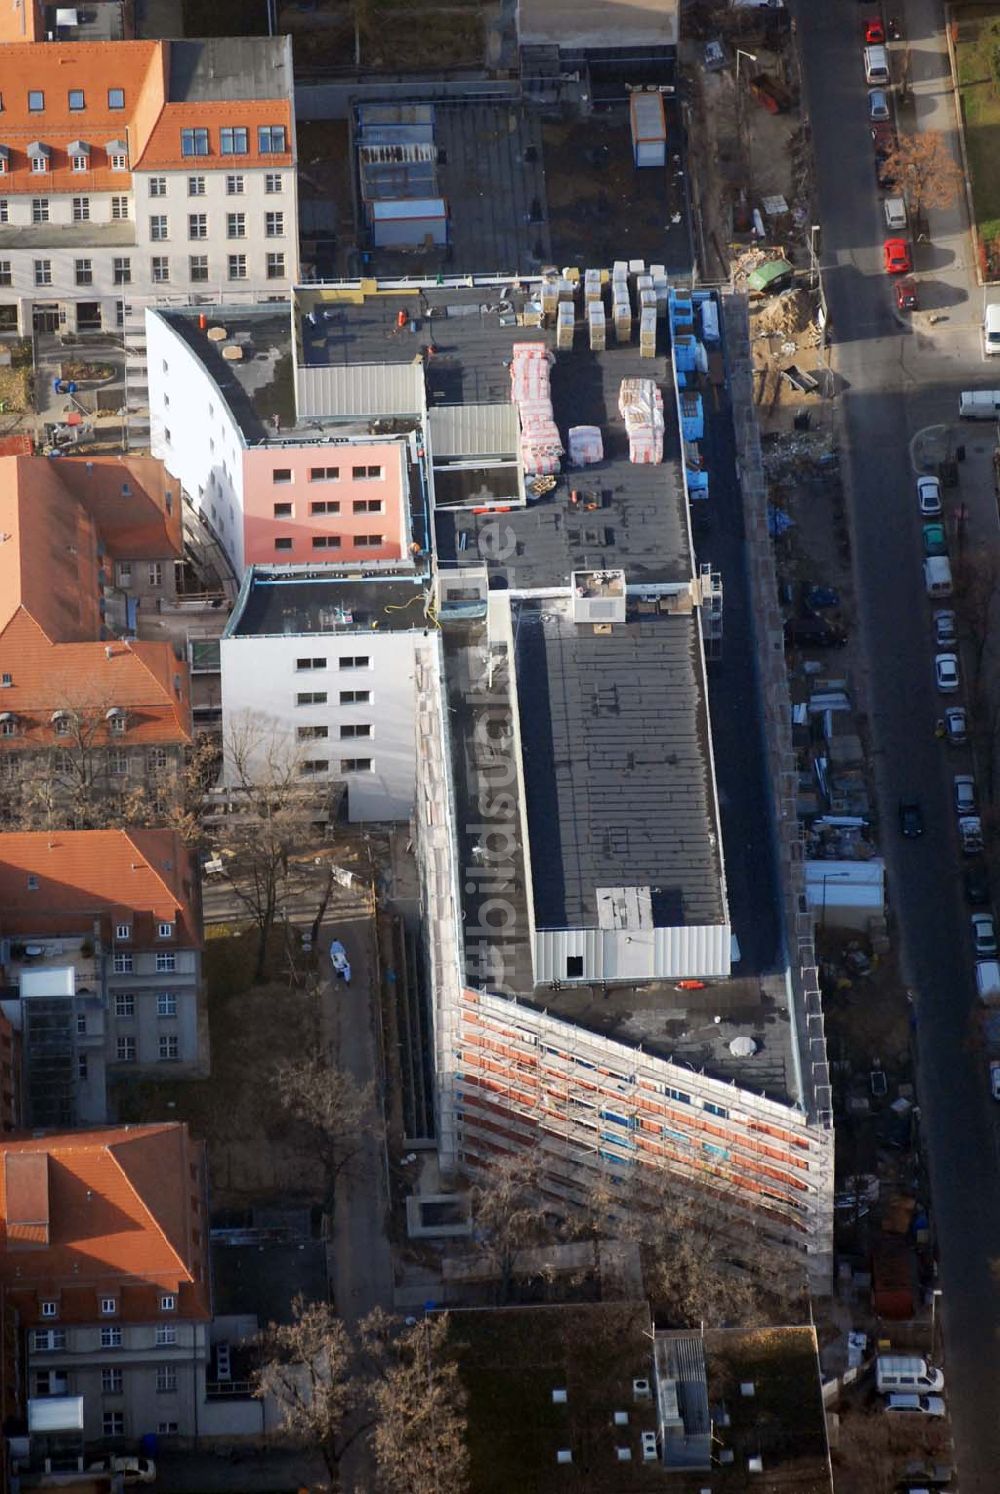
(144, 171)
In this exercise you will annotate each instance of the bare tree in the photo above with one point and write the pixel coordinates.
(309, 1369)
(508, 1213)
(419, 1427)
(925, 168)
(335, 1111)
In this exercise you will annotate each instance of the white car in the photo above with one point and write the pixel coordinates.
(929, 497)
(132, 1470)
(995, 1079)
(945, 627)
(984, 935)
(341, 964)
(956, 725)
(923, 1405)
(946, 673)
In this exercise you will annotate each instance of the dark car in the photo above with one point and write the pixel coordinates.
(907, 298)
(977, 884)
(814, 632)
(911, 819)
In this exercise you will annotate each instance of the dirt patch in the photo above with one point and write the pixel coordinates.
(784, 316)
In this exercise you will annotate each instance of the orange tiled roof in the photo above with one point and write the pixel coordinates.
(163, 148)
(146, 876)
(143, 523)
(48, 552)
(121, 1209)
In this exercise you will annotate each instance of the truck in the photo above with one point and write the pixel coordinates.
(988, 981)
(970, 833)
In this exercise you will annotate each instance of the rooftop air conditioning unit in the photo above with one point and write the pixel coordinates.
(641, 1390)
(649, 1453)
(564, 1455)
(624, 1454)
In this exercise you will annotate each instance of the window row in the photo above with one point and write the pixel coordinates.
(366, 472)
(234, 140)
(124, 964)
(76, 100)
(319, 697)
(125, 1003)
(118, 763)
(79, 157)
(235, 185)
(79, 207)
(332, 541)
(164, 930)
(346, 661)
(168, 1049)
(237, 268)
(53, 1340)
(315, 765)
(197, 226)
(320, 733)
(328, 506)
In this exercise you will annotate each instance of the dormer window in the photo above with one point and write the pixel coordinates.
(8, 724)
(168, 1302)
(4, 160)
(38, 155)
(165, 930)
(79, 155)
(117, 155)
(50, 1308)
(123, 931)
(63, 723)
(32, 882)
(109, 1306)
(117, 720)
(116, 98)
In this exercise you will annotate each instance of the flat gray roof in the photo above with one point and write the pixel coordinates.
(272, 603)
(614, 747)
(597, 25)
(232, 67)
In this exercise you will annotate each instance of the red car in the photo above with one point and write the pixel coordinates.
(896, 257)
(874, 32)
(883, 137)
(906, 295)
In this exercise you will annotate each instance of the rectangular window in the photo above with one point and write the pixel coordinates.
(116, 98)
(111, 1337)
(236, 225)
(194, 142)
(198, 266)
(235, 186)
(272, 183)
(324, 474)
(311, 697)
(154, 576)
(109, 1306)
(274, 225)
(237, 268)
(355, 697)
(81, 209)
(157, 186)
(283, 542)
(166, 1003)
(80, 163)
(156, 759)
(368, 541)
(713, 1109)
(125, 1050)
(39, 210)
(166, 1379)
(168, 1302)
(166, 1334)
(283, 510)
(233, 141)
(326, 542)
(4, 210)
(355, 764)
(81, 1024)
(310, 664)
(123, 931)
(169, 1047)
(164, 931)
(123, 964)
(271, 140)
(196, 186)
(167, 1428)
(354, 661)
(356, 730)
(118, 162)
(111, 1381)
(81, 1067)
(281, 474)
(676, 1094)
(117, 762)
(197, 225)
(49, 1340)
(313, 765)
(51, 1382)
(158, 227)
(36, 100)
(114, 1423)
(76, 100)
(366, 474)
(160, 270)
(121, 271)
(119, 209)
(165, 963)
(6, 274)
(83, 270)
(275, 267)
(39, 164)
(124, 1004)
(50, 1309)
(312, 733)
(367, 505)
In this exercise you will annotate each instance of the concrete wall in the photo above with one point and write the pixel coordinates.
(195, 435)
(335, 100)
(260, 687)
(263, 494)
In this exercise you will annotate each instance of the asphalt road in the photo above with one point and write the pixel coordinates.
(900, 378)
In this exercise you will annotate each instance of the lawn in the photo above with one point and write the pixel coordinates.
(251, 1153)
(15, 381)
(976, 35)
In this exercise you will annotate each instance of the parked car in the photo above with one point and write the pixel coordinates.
(874, 32)
(945, 627)
(995, 1078)
(984, 935)
(878, 104)
(946, 673)
(883, 137)
(911, 819)
(934, 539)
(920, 1405)
(894, 209)
(929, 496)
(907, 297)
(814, 632)
(965, 793)
(132, 1470)
(341, 964)
(956, 726)
(896, 257)
(976, 882)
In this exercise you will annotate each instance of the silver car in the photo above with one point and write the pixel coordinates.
(878, 104)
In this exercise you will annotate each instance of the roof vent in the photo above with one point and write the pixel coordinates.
(649, 1453)
(623, 1454)
(755, 1464)
(641, 1390)
(747, 1388)
(564, 1455)
(621, 1418)
(559, 1398)
(727, 1456)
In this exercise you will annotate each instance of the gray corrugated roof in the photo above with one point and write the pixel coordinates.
(473, 430)
(358, 390)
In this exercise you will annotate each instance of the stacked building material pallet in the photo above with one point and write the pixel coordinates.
(541, 448)
(641, 405)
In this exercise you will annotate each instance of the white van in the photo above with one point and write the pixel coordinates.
(979, 404)
(991, 331)
(988, 981)
(876, 65)
(895, 216)
(906, 1372)
(937, 577)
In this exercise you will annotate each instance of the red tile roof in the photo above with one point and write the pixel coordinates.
(142, 523)
(143, 877)
(163, 148)
(122, 1206)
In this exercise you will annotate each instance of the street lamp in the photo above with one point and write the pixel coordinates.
(740, 53)
(935, 1294)
(739, 110)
